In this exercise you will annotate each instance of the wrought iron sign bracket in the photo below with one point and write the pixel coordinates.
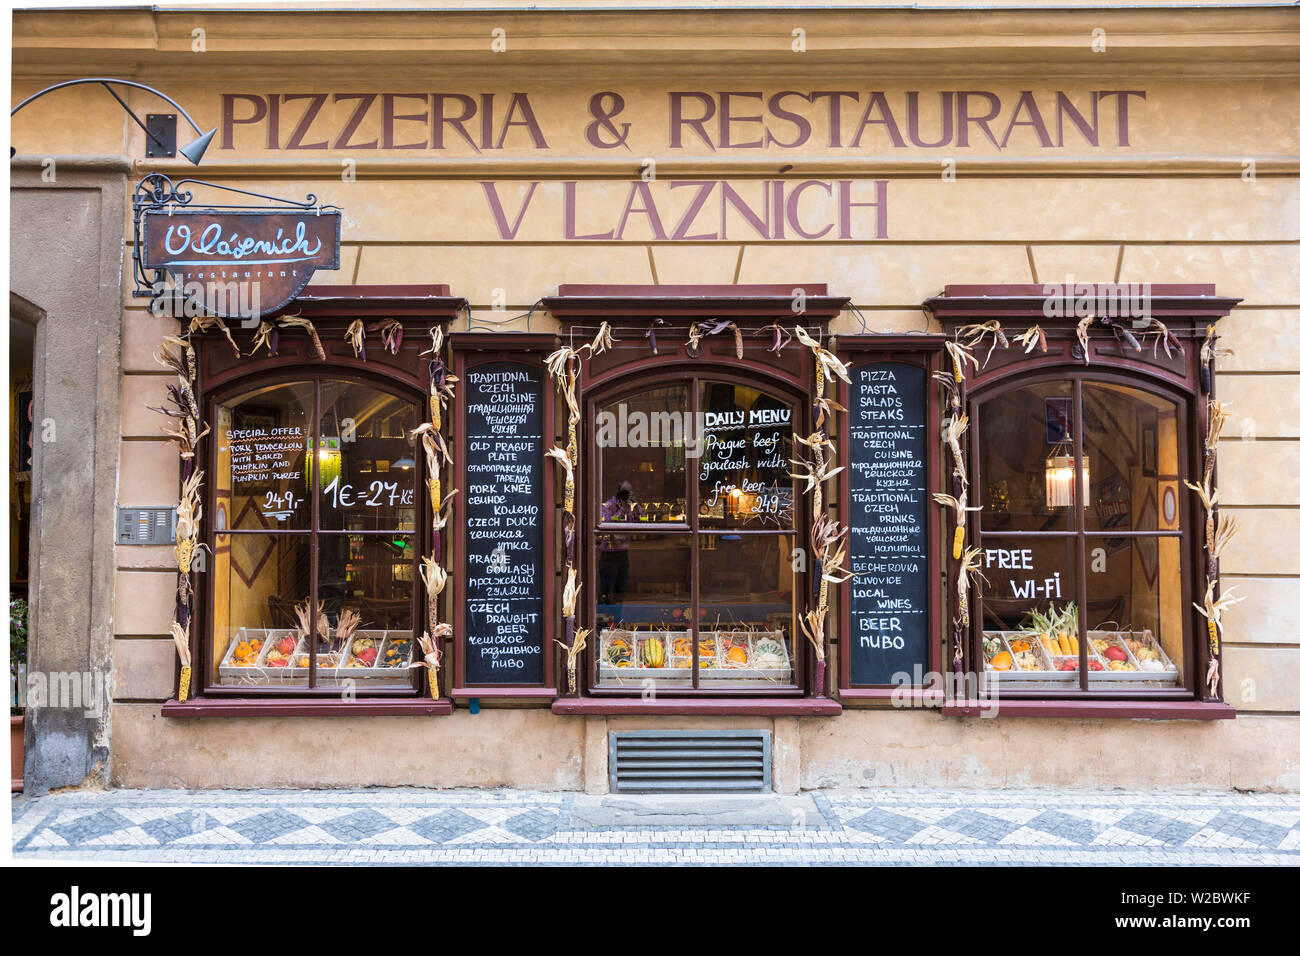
(157, 195)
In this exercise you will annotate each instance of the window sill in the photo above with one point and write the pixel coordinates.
(694, 707)
(290, 707)
(1096, 709)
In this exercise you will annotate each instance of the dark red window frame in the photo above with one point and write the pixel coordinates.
(221, 376)
(1189, 309)
(633, 365)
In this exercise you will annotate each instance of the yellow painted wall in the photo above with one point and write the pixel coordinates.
(1202, 188)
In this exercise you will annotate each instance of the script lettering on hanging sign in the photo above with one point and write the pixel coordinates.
(239, 265)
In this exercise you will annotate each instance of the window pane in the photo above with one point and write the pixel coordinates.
(1135, 611)
(745, 462)
(367, 465)
(1131, 454)
(746, 609)
(1025, 448)
(1030, 621)
(643, 456)
(257, 579)
(643, 609)
(262, 438)
(366, 583)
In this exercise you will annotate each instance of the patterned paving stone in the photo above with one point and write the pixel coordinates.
(478, 828)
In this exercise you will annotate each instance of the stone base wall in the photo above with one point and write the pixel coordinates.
(533, 749)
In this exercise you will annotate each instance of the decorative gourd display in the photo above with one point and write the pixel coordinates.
(652, 653)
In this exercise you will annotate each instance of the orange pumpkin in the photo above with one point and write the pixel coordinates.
(736, 655)
(1002, 661)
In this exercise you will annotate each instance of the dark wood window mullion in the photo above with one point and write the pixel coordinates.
(693, 522)
(1081, 539)
(315, 463)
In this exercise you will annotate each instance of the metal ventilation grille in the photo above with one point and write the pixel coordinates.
(698, 761)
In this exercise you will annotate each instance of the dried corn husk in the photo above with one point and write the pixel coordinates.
(1163, 337)
(202, 323)
(1081, 333)
(305, 619)
(264, 336)
(956, 429)
(434, 577)
(1213, 612)
(975, 334)
(965, 574)
(349, 621)
(356, 335)
(189, 509)
(604, 339)
(298, 322)
(1031, 337)
(811, 624)
(435, 347)
(571, 656)
(558, 361)
(827, 362)
(960, 355)
(958, 505)
(569, 601)
(431, 661)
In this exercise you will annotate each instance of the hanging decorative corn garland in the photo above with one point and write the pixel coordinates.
(830, 557)
(442, 389)
(564, 366)
(1217, 535)
(966, 567)
(268, 334)
(177, 354)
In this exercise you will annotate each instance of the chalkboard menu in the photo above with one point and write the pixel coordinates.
(889, 613)
(504, 457)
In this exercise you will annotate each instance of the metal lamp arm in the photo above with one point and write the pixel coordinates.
(105, 81)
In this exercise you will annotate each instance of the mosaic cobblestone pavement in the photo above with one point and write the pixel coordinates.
(918, 827)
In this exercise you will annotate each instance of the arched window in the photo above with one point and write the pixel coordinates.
(1091, 409)
(694, 519)
(1105, 555)
(315, 506)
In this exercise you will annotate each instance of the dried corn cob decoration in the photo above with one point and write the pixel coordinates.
(1213, 612)
(958, 505)
(182, 641)
(975, 334)
(432, 658)
(968, 570)
(571, 652)
(830, 557)
(812, 624)
(960, 355)
(188, 512)
(298, 322)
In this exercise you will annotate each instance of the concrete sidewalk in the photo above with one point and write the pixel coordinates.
(475, 827)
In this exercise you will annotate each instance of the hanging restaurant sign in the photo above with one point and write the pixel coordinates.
(232, 261)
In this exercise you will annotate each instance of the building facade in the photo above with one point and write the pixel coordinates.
(722, 374)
